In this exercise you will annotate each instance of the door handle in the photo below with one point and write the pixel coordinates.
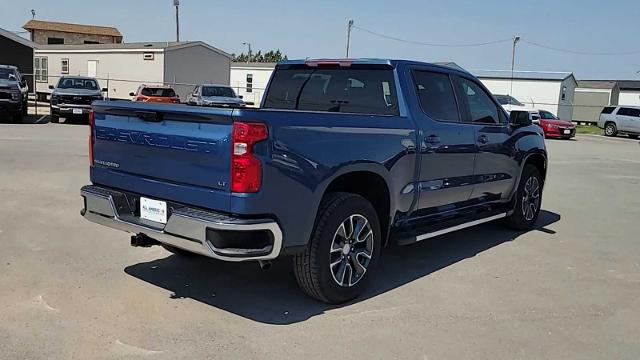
(483, 139)
(432, 140)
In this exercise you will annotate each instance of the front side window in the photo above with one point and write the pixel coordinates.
(64, 66)
(629, 112)
(345, 90)
(480, 108)
(436, 95)
(41, 69)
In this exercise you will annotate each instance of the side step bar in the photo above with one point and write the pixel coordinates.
(417, 236)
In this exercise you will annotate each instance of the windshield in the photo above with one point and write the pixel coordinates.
(218, 91)
(547, 115)
(70, 83)
(508, 100)
(4, 74)
(158, 92)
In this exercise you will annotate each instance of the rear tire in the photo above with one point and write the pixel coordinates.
(610, 129)
(341, 257)
(528, 200)
(178, 251)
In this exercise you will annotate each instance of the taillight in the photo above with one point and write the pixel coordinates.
(91, 127)
(246, 169)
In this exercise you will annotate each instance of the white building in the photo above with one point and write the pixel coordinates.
(551, 91)
(250, 80)
(629, 92)
(123, 67)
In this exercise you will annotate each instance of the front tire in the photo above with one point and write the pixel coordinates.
(343, 252)
(54, 118)
(528, 200)
(610, 129)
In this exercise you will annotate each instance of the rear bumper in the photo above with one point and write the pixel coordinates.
(187, 228)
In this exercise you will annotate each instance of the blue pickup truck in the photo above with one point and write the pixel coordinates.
(344, 157)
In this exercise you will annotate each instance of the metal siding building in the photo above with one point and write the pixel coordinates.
(123, 67)
(17, 51)
(592, 96)
(629, 92)
(250, 80)
(551, 91)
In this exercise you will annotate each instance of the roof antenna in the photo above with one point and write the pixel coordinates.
(33, 14)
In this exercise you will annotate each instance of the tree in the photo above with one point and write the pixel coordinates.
(268, 57)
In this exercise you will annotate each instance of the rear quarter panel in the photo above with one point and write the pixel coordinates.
(307, 151)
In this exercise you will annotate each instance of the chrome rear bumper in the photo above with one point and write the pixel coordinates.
(186, 227)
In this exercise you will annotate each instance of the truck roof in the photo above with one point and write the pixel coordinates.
(370, 61)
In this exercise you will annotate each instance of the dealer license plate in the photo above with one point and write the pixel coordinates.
(567, 131)
(77, 111)
(153, 210)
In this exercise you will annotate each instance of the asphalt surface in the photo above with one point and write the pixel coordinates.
(70, 289)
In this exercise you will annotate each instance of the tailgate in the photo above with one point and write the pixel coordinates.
(172, 152)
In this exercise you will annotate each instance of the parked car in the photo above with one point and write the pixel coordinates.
(345, 157)
(155, 94)
(13, 93)
(554, 127)
(71, 98)
(215, 95)
(620, 120)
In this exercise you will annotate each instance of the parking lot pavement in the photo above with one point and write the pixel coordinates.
(570, 289)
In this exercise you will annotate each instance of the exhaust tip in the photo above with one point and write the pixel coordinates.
(264, 265)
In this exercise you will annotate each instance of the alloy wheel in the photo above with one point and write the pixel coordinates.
(351, 250)
(531, 198)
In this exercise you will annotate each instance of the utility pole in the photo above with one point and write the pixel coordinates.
(249, 54)
(349, 28)
(513, 64)
(176, 3)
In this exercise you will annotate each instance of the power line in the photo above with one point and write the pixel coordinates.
(431, 44)
(577, 52)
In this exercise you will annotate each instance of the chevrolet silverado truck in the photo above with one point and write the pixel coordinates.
(343, 158)
(71, 98)
(13, 93)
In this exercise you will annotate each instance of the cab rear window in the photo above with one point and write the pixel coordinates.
(351, 90)
(158, 92)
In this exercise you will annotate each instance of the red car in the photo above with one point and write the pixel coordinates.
(156, 94)
(556, 128)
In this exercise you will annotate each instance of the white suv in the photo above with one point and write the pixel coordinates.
(620, 120)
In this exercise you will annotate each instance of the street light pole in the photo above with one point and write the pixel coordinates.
(249, 54)
(513, 64)
(349, 28)
(176, 3)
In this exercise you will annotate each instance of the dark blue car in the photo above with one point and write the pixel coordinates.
(343, 157)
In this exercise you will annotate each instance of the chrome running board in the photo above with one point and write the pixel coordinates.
(459, 227)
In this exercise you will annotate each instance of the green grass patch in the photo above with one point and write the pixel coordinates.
(588, 129)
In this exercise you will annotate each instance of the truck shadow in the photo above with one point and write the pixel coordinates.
(273, 296)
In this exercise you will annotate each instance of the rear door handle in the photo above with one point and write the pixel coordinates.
(483, 139)
(432, 140)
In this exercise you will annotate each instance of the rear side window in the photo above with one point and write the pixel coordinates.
(436, 95)
(629, 112)
(351, 90)
(158, 92)
(608, 110)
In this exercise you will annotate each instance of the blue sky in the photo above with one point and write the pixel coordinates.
(318, 28)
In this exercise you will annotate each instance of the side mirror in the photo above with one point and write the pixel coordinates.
(105, 89)
(132, 94)
(240, 97)
(12, 77)
(51, 87)
(519, 118)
